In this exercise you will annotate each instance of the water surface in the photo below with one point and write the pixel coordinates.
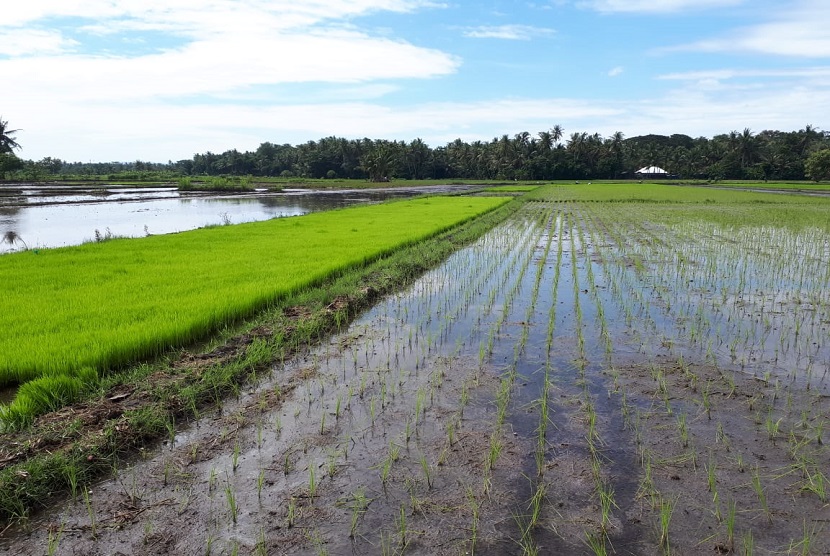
(54, 216)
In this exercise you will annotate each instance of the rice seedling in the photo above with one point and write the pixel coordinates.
(54, 539)
(814, 481)
(260, 481)
(731, 510)
(318, 542)
(666, 508)
(597, 542)
(526, 542)
(230, 497)
(291, 513)
(772, 427)
(235, 456)
(475, 508)
(209, 544)
(682, 430)
(607, 504)
(425, 467)
(261, 546)
(358, 505)
(647, 488)
(803, 546)
(401, 526)
(386, 465)
(759, 491)
(748, 544)
(93, 525)
(536, 504)
(312, 482)
(495, 447)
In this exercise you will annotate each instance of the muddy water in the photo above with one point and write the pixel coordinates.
(56, 217)
(382, 439)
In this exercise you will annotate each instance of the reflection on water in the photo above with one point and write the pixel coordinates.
(57, 217)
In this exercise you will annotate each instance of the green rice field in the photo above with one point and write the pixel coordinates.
(95, 307)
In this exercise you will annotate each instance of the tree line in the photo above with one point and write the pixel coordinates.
(547, 155)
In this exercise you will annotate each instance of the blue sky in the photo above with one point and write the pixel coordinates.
(102, 80)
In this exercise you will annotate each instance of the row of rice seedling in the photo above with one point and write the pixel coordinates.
(749, 298)
(488, 305)
(444, 331)
(682, 275)
(76, 311)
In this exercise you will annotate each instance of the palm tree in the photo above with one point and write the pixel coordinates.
(747, 147)
(7, 143)
(557, 132)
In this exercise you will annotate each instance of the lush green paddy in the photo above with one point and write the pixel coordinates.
(99, 306)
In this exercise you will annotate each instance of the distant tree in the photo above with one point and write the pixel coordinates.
(7, 142)
(9, 163)
(817, 165)
(379, 162)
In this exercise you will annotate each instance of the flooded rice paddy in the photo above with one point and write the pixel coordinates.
(582, 380)
(57, 216)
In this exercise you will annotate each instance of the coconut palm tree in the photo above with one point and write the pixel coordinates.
(747, 147)
(557, 132)
(7, 142)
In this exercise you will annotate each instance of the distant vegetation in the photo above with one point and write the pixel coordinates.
(547, 155)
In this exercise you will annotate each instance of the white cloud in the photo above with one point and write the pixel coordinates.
(225, 46)
(509, 32)
(212, 67)
(656, 6)
(154, 130)
(27, 42)
(800, 30)
(194, 14)
(723, 74)
(614, 72)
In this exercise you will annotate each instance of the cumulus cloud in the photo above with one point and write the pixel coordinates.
(614, 72)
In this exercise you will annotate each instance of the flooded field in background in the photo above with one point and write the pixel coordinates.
(53, 216)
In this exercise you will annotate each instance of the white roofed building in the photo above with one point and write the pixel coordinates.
(651, 172)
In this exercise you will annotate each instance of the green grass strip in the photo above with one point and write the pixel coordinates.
(511, 189)
(631, 192)
(105, 305)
